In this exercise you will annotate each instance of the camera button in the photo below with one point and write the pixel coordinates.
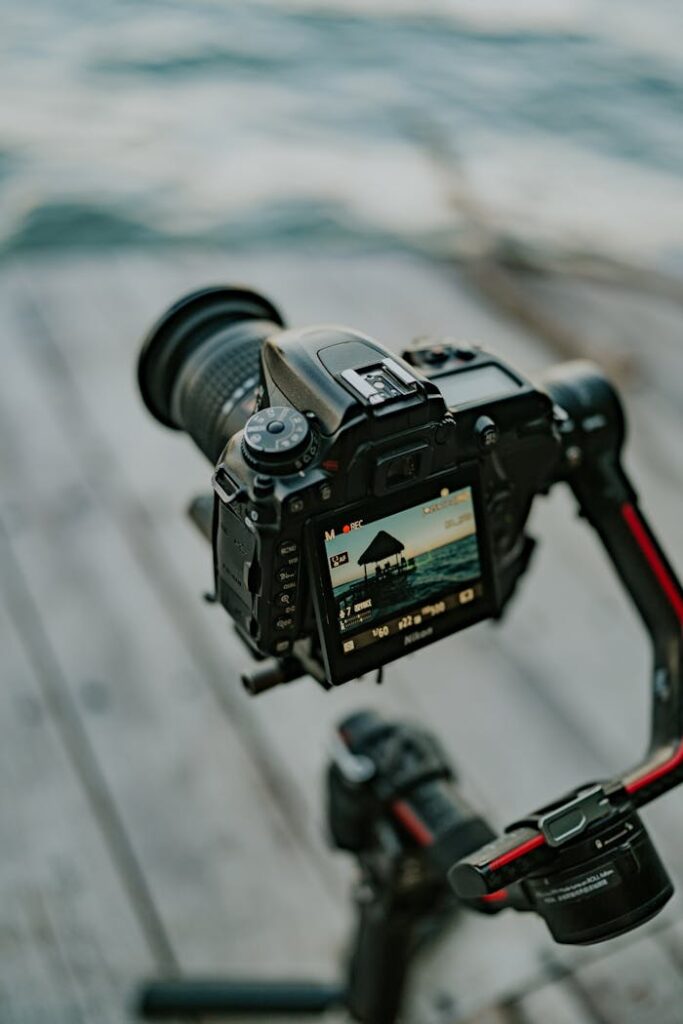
(325, 492)
(295, 506)
(445, 433)
(287, 548)
(287, 575)
(286, 600)
(284, 623)
(437, 354)
(486, 433)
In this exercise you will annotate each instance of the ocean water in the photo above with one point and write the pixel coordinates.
(342, 122)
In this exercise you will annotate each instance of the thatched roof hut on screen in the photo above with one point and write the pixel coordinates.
(383, 546)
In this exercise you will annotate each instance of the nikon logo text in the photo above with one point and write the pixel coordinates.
(421, 634)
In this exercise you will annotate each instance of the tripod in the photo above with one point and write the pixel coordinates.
(392, 804)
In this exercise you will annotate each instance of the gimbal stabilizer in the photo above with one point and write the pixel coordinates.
(584, 862)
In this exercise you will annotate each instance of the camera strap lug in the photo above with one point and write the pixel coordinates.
(220, 481)
(563, 823)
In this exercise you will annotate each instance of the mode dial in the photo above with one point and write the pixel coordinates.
(276, 437)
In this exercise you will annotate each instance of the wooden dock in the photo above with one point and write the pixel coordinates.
(153, 819)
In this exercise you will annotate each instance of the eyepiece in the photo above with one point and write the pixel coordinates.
(200, 364)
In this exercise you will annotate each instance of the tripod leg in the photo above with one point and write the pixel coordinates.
(185, 998)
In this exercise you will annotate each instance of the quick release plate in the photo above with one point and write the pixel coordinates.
(563, 823)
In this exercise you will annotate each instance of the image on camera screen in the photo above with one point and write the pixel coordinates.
(401, 571)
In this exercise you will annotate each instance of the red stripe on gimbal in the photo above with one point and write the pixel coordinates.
(495, 897)
(410, 821)
(667, 766)
(674, 596)
(652, 557)
(518, 851)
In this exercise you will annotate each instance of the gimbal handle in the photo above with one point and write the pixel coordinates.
(592, 426)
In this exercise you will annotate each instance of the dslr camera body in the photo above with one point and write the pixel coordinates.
(366, 505)
(361, 511)
(372, 504)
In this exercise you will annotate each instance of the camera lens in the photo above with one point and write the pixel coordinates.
(199, 368)
(603, 885)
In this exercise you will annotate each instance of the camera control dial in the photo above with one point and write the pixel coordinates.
(277, 437)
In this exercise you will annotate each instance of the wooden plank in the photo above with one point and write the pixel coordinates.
(642, 326)
(646, 329)
(200, 816)
(494, 1015)
(485, 693)
(71, 944)
(672, 938)
(142, 521)
(556, 1003)
(35, 987)
(640, 985)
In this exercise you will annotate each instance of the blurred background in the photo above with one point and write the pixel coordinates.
(508, 173)
(337, 123)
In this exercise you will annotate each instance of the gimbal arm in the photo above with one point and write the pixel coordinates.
(591, 422)
(608, 501)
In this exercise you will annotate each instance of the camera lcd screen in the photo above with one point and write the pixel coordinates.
(397, 574)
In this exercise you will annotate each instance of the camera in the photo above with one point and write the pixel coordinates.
(366, 504)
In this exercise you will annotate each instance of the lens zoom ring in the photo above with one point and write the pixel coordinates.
(210, 380)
